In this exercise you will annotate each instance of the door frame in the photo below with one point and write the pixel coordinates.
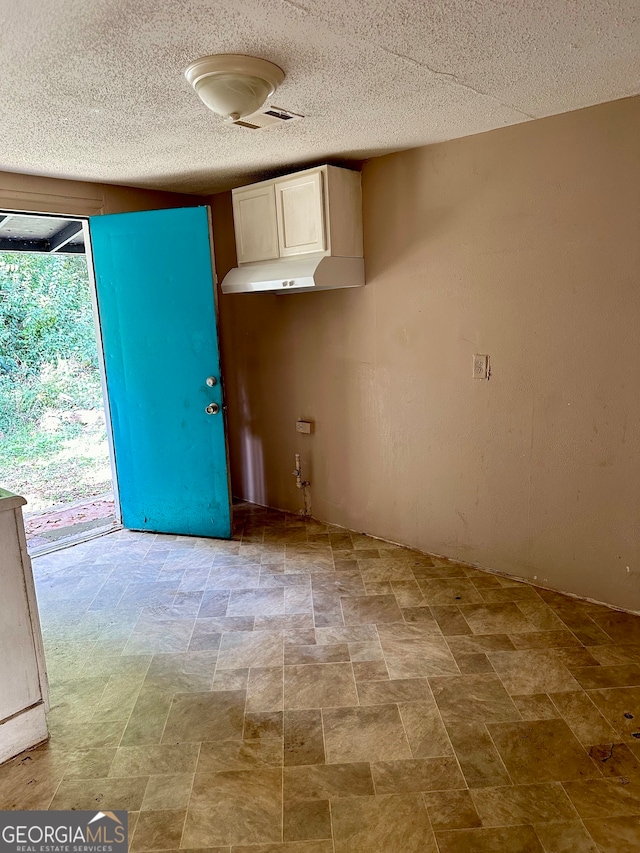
(101, 365)
(98, 333)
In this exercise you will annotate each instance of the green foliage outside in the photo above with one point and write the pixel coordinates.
(52, 436)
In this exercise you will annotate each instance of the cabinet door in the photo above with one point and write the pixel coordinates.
(19, 682)
(300, 207)
(254, 217)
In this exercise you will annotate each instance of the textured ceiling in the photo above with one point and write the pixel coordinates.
(94, 89)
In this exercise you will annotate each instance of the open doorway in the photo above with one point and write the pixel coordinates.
(54, 444)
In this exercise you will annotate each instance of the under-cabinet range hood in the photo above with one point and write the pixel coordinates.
(299, 274)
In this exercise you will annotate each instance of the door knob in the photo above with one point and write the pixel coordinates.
(212, 409)
(211, 381)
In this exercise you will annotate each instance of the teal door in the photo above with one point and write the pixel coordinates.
(156, 305)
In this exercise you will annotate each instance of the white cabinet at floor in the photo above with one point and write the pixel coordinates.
(23, 681)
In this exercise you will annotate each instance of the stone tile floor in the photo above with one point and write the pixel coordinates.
(304, 689)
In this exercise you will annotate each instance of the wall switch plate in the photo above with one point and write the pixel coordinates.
(304, 426)
(481, 366)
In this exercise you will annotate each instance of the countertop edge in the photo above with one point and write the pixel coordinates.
(10, 501)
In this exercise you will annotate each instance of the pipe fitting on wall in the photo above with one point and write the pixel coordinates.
(304, 486)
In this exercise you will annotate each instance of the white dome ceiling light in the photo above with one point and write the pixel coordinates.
(232, 85)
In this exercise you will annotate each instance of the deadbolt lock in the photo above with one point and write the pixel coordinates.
(212, 409)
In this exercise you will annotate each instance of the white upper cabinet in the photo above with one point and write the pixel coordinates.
(315, 211)
(254, 216)
(300, 210)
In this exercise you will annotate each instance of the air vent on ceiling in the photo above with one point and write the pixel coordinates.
(267, 117)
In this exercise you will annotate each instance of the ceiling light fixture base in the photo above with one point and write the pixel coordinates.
(233, 85)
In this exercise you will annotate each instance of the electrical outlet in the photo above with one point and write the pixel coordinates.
(481, 366)
(304, 426)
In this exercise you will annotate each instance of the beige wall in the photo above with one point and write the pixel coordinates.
(79, 198)
(522, 243)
